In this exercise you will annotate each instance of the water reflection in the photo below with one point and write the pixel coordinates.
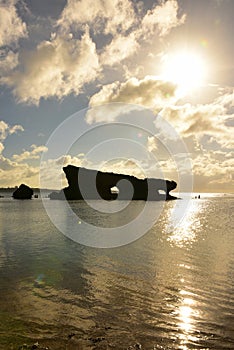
(185, 232)
(187, 315)
(154, 292)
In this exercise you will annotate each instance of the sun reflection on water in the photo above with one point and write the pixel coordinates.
(186, 315)
(185, 232)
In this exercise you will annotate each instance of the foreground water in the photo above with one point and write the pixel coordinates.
(168, 290)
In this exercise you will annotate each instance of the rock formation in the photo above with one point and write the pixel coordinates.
(92, 184)
(23, 192)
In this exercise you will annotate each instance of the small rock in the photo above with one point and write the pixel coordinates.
(35, 346)
(23, 192)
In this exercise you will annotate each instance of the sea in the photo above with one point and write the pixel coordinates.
(171, 288)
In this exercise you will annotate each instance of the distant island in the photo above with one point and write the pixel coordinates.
(92, 184)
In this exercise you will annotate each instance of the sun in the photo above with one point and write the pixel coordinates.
(185, 69)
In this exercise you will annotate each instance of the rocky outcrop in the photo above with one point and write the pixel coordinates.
(91, 184)
(23, 192)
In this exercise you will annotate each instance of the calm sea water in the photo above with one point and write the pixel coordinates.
(168, 290)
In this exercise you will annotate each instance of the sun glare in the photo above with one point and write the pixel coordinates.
(187, 70)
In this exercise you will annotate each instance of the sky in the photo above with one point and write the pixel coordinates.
(142, 78)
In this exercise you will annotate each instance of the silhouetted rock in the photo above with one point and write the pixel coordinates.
(92, 184)
(23, 192)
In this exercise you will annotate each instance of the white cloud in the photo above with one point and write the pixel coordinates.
(226, 98)
(56, 68)
(149, 92)
(34, 153)
(51, 170)
(15, 128)
(120, 48)
(14, 170)
(152, 144)
(6, 164)
(8, 61)
(196, 120)
(64, 64)
(104, 15)
(12, 28)
(163, 17)
(13, 174)
(213, 171)
(118, 18)
(6, 129)
(1, 147)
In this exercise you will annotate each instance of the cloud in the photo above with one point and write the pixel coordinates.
(29, 155)
(152, 144)
(120, 16)
(6, 164)
(1, 147)
(105, 16)
(120, 19)
(12, 173)
(213, 171)
(68, 61)
(213, 119)
(58, 67)
(6, 129)
(195, 120)
(12, 28)
(8, 61)
(51, 170)
(149, 92)
(17, 169)
(163, 17)
(227, 98)
(120, 48)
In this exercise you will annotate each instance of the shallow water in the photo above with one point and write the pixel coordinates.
(171, 289)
